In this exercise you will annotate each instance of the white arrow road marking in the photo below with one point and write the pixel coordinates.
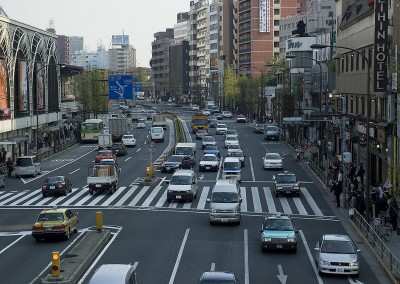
(201, 177)
(354, 281)
(212, 267)
(282, 277)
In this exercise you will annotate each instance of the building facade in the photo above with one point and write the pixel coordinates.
(122, 59)
(63, 48)
(90, 60)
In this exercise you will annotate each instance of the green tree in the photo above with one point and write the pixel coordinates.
(231, 88)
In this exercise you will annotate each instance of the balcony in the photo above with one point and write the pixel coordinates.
(245, 50)
(246, 39)
(244, 29)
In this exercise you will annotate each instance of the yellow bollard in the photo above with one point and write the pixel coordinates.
(55, 264)
(148, 173)
(99, 221)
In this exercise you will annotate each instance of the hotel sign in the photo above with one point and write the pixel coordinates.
(265, 15)
(381, 45)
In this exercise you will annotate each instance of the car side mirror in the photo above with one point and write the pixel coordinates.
(358, 250)
(274, 177)
(261, 231)
(208, 200)
(240, 200)
(316, 249)
(119, 170)
(296, 231)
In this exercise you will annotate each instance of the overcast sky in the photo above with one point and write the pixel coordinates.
(98, 20)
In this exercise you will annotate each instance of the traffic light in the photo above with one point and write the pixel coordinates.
(5, 111)
(55, 264)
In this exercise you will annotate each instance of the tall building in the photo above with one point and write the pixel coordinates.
(160, 62)
(91, 59)
(75, 44)
(63, 49)
(122, 59)
(179, 70)
(258, 31)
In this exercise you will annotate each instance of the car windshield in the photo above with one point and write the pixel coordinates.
(225, 197)
(278, 224)
(211, 148)
(208, 139)
(231, 132)
(286, 179)
(234, 146)
(272, 157)
(180, 180)
(221, 125)
(231, 138)
(51, 217)
(127, 137)
(333, 246)
(199, 121)
(117, 145)
(156, 130)
(184, 151)
(24, 162)
(231, 165)
(235, 154)
(53, 179)
(104, 153)
(140, 121)
(201, 131)
(175, 159)
(272, 128)
(209, 158)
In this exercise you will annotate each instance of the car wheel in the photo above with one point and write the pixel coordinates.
(76, 228)
(276, 194)
(65, 192)
(263, 249)
(200, 169)
(91, 191)
(294, 250)
(169, 200)
(212, 222)
(67, 234)
(43, 194)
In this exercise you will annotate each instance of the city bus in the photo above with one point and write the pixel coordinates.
(91, 129)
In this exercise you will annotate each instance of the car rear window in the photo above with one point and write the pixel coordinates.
(24, 162)
(51, 217)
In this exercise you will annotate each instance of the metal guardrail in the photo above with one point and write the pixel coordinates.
(317, 171)
(389, 259)
(47, 152)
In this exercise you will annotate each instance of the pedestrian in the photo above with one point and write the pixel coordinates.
(393, 212)
(10, 166)
(360, 174)
(3, 155)
(337, 192)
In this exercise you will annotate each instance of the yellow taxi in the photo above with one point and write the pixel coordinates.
(55, 222)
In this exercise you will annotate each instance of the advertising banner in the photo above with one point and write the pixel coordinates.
(22, 98)
(3, 85)
(39, 87)
(120, 87)
(120, 39)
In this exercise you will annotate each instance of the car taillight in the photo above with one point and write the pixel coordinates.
(43, 187)
(62, 227)
(60, 185)
(34, 228)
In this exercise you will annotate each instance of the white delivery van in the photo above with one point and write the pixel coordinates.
(231, 169)
(157, 134)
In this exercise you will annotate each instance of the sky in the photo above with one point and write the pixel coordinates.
(98, 20)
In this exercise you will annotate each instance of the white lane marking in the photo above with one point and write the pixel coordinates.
(7, 194)
(151, 196)
(84, 199)
(34, 192)
(178, 259)
(55, 202)
(256, 199)
(203, 197)
(139, 196)
(285, 205)
(114, 196)
(219, 169)
(127, 195)
(303, 238)
(12, 198)
(243, 206)
(270, 200)
(300, 206)
(30, 201)
(212, 266)
(161, 181)
(115, 235)
(74, 171)
(252, 170)
(311, 201)
(162, 200)
(10, 245)
(246, 257)
(80, 192)
(138, 150)
(127, 159)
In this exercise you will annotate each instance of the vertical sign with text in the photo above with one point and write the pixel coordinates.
(381, 45)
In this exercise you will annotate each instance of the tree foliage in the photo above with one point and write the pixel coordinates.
(231, 88)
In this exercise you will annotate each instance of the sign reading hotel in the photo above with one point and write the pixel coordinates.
(381, 45)
(265, 15)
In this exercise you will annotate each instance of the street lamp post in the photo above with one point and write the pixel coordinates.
(368, 114)
(262, 93)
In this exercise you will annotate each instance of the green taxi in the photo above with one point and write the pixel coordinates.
(278, 232)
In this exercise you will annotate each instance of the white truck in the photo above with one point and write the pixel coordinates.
(103, 178)
(105, 141)
(159, 121)
(118, 127)
(187, 149)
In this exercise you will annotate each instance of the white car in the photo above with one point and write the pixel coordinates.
(206, 112)
(273, 161)
(208, 141)
(227, 114)
(141, 123)
(129, 140)
(209, 162)
(336, 254)
(221, 128)
(230, 140)
(236, 153)
(195, 107)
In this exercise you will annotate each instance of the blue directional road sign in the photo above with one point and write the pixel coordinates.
(138, 87)
(120, 87)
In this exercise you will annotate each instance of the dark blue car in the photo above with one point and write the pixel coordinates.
(213, 150)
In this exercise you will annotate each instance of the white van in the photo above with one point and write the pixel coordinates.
(182, 186)
(157, 134)
(27, 166)
(114, 273)
(231, 169)
(225, 202)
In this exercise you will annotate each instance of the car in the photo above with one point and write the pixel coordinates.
(337, 254)
(187, 163)
(218, 115)
(114, 273)
(182, 186)
(231, 132)
(157, 134)
(273, 161)
(213, 149)
(209, 162)
(55, 222)
(213, 123)
(129, 140)
(208, 141)
(236, 153)
(221, 128)
(141, 123)
(119, 149)
(150, 116)
(27, 165)
(172, 164)
(241, 118)
(259, 128)
(231, 139)
(201, 133)
(227, 114)
(206, 112)
(286, 183)
(234, 146)
(195, 107)
(271, 132)
(218, 277)
(56, 185)
(104, 154)
(212, 117)
(277, 232)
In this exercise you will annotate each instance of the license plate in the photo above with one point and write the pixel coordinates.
(178, 197)
(279, 246)
(48, 228)
(287, 191)
(340, 270)
(98, 185)
(207, 168)
(224, 220)
(52, 187)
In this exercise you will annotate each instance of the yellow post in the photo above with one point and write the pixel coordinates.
(148, 174)
(55, 264)
(99, 221)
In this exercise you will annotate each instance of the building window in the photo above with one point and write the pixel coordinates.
(276, 22)
(276, 33)
(352, 62)
(347, 63)
(363, 59)
(276, 12)
(276, 44)
(277, 1)
(357, 61)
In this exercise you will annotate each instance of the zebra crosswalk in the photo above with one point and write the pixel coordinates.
(254, 199)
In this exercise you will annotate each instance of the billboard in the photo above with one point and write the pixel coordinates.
(3, 84)
(120, 87)
(39, 87)
(119, 39)
(264, 22)
(22, 97)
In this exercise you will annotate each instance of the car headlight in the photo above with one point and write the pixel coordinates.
(296, 187)
(213, 210)
(353, 263)
(169, 191)
(279, 187)
(188, 191)
(266, 239)
(291, 240)
(324, 262)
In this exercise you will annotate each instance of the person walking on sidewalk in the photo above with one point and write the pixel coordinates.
(337, 191)
(10, 166)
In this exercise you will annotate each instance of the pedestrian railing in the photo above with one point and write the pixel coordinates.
(317, 171)
(389, 259)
